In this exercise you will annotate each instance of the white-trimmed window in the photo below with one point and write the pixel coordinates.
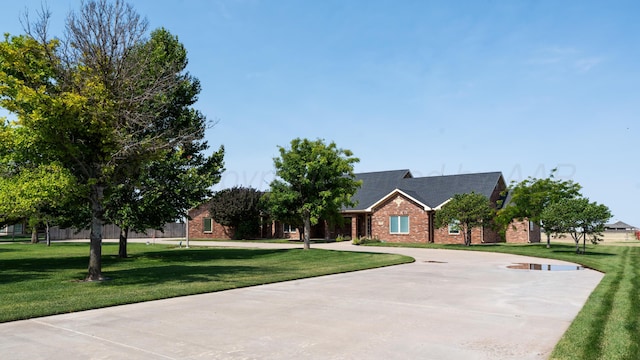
(207, 225)
(454, 227)
(399, 224)
(288, 228)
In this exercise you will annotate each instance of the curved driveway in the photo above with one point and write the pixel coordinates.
(446, 305)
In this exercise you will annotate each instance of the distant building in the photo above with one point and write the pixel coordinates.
(619, 227)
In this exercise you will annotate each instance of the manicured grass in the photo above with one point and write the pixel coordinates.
(608, 326)
(16, 238)
(274, 241)
(36, 280)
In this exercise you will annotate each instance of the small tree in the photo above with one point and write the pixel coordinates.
(531, 196)
(466, 211)
(238, 208)
(36, 194)
(315, 179)
(577, 217)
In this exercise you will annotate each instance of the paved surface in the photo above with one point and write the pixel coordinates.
(446, 305)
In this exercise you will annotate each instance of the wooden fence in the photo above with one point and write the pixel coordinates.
(171, 230)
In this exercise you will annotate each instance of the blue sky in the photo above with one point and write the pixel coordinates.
(438, 87)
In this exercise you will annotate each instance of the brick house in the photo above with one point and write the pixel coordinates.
(395, 207)
(202, 226)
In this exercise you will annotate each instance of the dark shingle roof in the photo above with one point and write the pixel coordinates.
(376, 185)
(431, 191)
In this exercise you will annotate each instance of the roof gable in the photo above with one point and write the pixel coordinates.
(411, 197)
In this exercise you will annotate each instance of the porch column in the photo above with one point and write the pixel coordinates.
(354, 226)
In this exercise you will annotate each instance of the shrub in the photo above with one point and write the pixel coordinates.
(340, 238)
(366, 240)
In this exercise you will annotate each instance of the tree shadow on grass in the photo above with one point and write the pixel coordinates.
(24, 269)
(157, 275)
(30, 267)
(208, 254)
(588, 253)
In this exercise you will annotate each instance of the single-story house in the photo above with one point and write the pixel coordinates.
(394, 206)
(619, 226)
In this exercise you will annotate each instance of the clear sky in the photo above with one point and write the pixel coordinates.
(437, 87)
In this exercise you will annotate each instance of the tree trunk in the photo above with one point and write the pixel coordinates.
(95, 248)
(326, 230)
(548, 240)
(47, 233)
(467, 237)
(307, 230)
(584, 243)
(122, 249)
(34, 235)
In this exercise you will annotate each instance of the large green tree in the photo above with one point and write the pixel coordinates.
(98, 101)
(465, 211)
(579, 218)
(530, 197)
(164, 191)
(314, 179)
(238, 208)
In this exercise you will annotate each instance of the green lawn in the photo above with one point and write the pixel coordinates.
(608, 326)
(16, 238)
(36, 280)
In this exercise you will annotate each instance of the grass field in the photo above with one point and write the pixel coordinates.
(36, 280)
(608, 326)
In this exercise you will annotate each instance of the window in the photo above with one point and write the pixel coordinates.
(399, 224)
(207, 224)
(289, 229)
(454, 227)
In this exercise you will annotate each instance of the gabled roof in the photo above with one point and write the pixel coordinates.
(431, 191)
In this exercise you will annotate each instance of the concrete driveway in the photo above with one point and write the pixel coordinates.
(446, 305)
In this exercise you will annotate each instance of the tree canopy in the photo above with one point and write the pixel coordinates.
(530, 197)
(466, 211)
(103, 102)
(578, 217)
(314, 180)
(238, 208)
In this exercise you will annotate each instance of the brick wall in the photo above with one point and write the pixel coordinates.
(196, 225)
(518, 232)
(442, 236)
(400, 206)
